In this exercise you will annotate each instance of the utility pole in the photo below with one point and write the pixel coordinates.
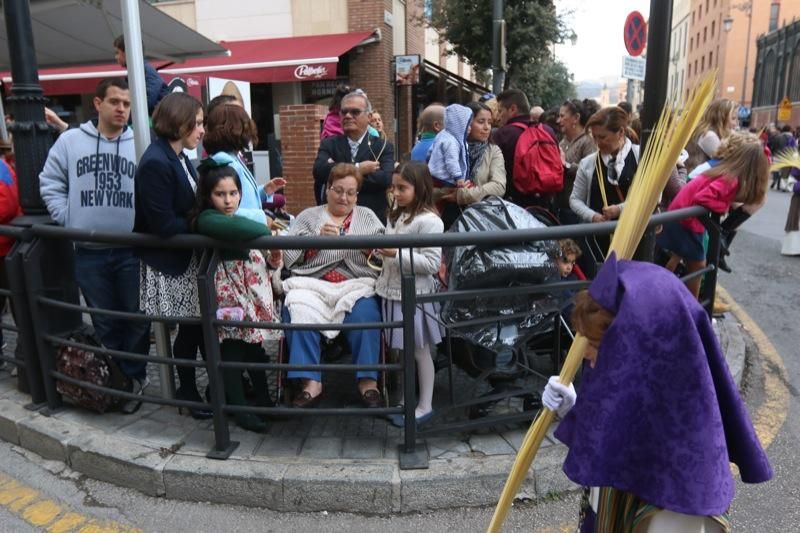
(498, 47)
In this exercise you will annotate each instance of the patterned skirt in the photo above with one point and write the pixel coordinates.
(162, 294)
(427, 330)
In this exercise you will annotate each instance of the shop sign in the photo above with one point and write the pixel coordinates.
(310, 72)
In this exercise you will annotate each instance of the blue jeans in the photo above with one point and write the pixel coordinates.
(109, 279)
(365, 344)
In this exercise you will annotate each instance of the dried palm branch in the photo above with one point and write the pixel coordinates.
(671, 134)
(786, 159)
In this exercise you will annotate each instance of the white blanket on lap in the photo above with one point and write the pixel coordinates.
(316, 301)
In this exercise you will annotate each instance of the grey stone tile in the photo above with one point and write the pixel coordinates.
(439, 446)
(354, 488)
(490, 445)
(362, 448)
(322, 448)
(234, 481)
(153, 433)
(272, 446)
(515, 437)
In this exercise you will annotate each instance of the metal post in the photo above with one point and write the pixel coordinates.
(710, 280)
(749, 11)
(656, 80)
(410, 456)
(498, 47)
(32, 138)
(223, 445)
(165, 372)
(134, 58)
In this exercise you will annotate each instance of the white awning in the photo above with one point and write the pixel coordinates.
(79, 32)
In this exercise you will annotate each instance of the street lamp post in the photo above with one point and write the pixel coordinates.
(747, 8)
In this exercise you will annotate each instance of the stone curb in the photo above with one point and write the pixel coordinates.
(351, 485)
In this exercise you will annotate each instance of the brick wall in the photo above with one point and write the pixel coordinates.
(369, 69)
(300, 126)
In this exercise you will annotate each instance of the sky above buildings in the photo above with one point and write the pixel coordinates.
(599, 25)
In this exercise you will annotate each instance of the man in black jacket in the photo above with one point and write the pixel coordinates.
(373, 156)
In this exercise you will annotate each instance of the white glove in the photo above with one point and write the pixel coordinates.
(557, 397)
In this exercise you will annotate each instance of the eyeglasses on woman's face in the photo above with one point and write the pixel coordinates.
(341, 191)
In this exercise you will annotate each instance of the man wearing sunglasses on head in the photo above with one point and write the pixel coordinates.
(373, 156)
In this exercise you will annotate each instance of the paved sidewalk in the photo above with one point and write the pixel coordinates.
(306, 464)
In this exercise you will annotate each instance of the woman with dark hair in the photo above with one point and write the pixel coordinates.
(229, 131)
(332, 125)
(576, 143)
(487, 171)
(165, 194)
(604, 177)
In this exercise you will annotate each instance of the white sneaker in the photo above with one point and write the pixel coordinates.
(131, 406)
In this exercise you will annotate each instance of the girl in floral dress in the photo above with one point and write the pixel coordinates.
(244, 282)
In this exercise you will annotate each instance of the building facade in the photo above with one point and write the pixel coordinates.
(722, 35)
(681, 16)
(777, 75)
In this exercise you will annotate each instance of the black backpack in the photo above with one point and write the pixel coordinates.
(92, 367)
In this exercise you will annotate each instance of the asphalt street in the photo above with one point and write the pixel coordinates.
(764, 286)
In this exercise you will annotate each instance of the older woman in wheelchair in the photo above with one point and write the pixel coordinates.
(333, 286)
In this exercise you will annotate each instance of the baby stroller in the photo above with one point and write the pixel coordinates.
(488, 328)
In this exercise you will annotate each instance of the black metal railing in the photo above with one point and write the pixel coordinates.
(46, 313)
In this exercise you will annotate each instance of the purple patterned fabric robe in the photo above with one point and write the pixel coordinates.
(659, 415)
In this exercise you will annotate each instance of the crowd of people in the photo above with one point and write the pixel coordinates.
(580, 168)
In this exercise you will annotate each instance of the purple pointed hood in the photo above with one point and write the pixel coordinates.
(659, 415)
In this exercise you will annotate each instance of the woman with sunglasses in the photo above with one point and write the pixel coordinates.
(333, 286)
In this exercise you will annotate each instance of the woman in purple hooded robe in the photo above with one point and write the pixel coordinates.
(659, 418)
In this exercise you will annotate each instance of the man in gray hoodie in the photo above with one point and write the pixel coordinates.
(87, 184)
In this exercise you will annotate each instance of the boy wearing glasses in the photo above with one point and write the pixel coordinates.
(372, 156)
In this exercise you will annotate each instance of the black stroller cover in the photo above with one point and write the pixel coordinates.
(518, 316)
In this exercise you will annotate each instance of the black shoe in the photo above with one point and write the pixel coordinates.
(198, 413)
(250, 422)
(723, 265)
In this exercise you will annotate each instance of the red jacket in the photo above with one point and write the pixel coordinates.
(9, 203)
(715, 194)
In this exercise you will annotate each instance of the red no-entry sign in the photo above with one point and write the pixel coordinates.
(635, 34)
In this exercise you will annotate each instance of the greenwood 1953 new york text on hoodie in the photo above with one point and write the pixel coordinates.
(87, 180)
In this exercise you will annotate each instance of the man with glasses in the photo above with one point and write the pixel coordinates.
(373, 156)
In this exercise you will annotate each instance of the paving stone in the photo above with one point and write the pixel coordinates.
(48, 436)
(490, 445)
(363, 448)
(515, 437)
(548, 472)
(155, 434)
(248, 441)
(108, 422)
(233, 481)
(272, 446)
(439, 446)
(461, 482)
(118, 461)
(10, 414)
(347, 487)
(322, 448)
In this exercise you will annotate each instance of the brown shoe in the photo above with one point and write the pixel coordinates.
(372, 398)
(303, 399)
